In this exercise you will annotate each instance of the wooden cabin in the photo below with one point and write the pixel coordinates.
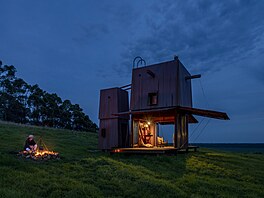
(160, 94)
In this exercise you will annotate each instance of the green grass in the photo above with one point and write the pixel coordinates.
(82, 173)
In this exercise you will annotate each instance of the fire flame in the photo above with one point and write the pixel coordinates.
(41, 153)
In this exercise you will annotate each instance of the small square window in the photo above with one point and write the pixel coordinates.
(153, 98)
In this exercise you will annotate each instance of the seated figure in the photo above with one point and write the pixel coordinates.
(30, 144)
(161, 142)
(142, 144)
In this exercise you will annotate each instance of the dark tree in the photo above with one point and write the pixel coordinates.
(35, 102)
(23, 103)
(66, 115)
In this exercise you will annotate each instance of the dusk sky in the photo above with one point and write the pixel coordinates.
(75, 48)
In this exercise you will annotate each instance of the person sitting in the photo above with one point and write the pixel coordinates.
(142, 144)
(30, 144)
(161, 142)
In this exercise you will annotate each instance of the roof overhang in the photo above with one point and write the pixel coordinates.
(205, 113)
(172, 111)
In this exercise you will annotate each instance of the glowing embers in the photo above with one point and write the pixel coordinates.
(44, 155)
(40, 155)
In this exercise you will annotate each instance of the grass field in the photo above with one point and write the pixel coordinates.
(83, 173)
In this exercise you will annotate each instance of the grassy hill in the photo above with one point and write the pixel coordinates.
(83, 173)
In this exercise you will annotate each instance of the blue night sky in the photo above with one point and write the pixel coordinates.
(76, 48)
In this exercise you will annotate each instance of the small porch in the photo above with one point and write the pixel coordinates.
(170, 150)
(147, 135)
(148, 132)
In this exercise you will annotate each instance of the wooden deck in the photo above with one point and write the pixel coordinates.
(154, 150)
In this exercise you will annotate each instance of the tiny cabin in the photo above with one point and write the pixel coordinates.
(161, 94)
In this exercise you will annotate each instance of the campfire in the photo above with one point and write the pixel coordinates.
(39, 155)
(43, 153)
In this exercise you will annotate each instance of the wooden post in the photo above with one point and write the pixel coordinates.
(177, 131)
(186, 132)
(181, 131)
(184, 123)
(156, 133)
(132, 132)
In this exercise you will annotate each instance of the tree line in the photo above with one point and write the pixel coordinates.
(29, 104)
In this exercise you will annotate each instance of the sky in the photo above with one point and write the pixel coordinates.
(76, 48)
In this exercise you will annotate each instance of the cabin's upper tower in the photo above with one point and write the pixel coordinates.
(161, 85)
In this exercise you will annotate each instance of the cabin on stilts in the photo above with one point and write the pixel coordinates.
(161, 94)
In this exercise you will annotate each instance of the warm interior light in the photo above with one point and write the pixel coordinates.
(41, 153)
(148, 123)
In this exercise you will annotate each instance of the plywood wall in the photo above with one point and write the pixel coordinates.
(169, 83)
(112, 101)
(112, 132)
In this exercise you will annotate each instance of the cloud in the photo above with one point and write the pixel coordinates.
(124, 14)
(91, 32)
(94, 30)
(206, 35)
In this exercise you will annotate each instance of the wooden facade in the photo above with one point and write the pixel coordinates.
(113, 130)
(165, 81)
(160, 94)
(157, 87)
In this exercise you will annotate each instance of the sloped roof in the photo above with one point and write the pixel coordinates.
(163, 112)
